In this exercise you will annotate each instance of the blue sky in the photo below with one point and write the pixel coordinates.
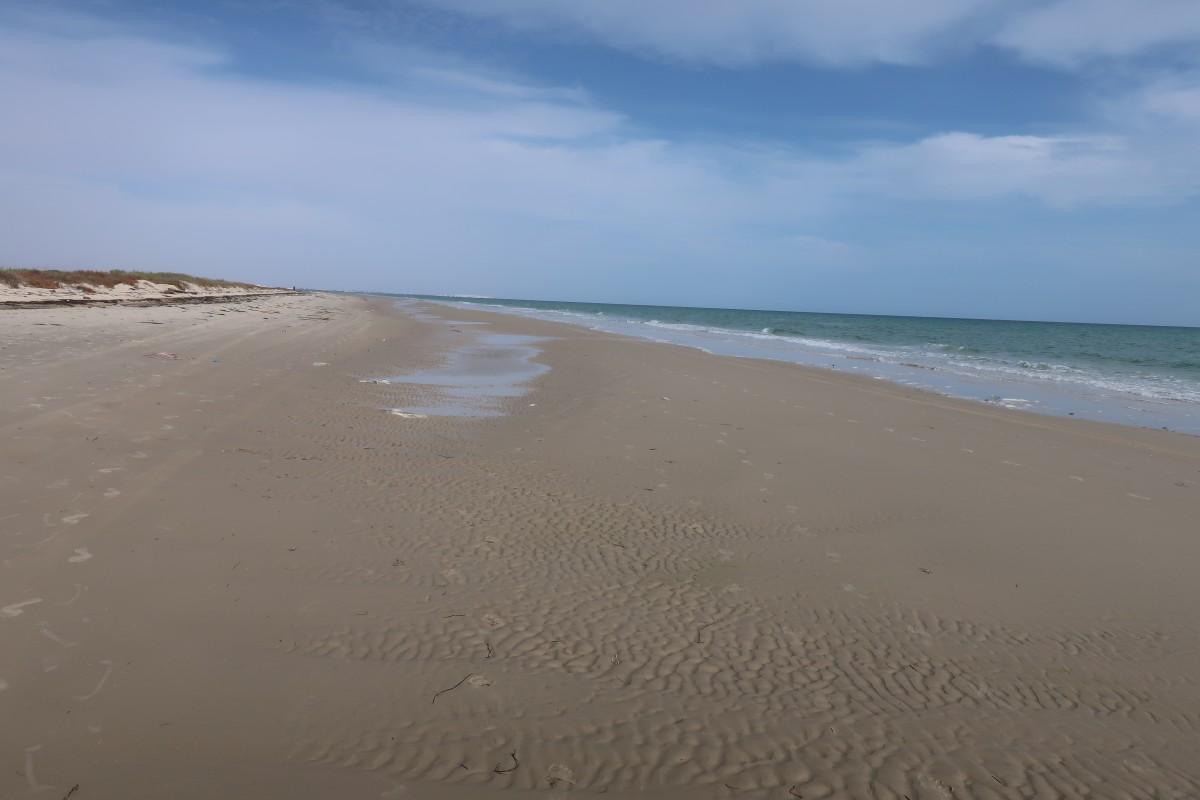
(997, 158)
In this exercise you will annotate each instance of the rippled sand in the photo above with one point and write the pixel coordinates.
(226, 570)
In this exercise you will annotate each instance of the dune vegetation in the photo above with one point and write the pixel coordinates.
(90, 279)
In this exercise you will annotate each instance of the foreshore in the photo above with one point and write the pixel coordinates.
(227, 571)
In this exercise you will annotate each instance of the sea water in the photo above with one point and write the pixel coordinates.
(1131, 374)
(476, 376)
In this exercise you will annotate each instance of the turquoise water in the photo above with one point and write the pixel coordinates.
(1143, 375)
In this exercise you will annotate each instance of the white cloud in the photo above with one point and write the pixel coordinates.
(833, 32)
(1170, 100)
(1073, 31)
(447, 73)
(854, 32)
(135, 152)
(1060, 171)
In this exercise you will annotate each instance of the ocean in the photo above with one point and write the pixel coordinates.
(1131, 374)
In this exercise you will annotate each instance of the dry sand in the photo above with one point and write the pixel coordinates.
(232, 574)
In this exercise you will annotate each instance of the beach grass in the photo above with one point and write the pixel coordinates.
(91, 278)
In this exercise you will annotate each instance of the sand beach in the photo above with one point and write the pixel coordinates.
(569, 563)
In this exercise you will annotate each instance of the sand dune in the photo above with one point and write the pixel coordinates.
(141, 292)
(227, 570)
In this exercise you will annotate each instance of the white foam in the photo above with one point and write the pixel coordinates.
(17, 609)
(406, 414)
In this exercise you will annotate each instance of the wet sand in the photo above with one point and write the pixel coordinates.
(226, 570)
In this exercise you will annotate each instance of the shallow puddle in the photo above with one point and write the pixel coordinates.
(477, 376)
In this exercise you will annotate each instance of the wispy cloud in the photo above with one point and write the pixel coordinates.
(1061, 171)
(853, 32)
(448, 74)
(1075, 32)
(833, 32)
(139, 151)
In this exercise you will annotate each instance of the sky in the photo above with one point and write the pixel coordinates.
(1017, 159)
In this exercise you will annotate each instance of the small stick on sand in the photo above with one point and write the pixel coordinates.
(491, 652)
(701, 630)
(71, 791)
(451, 689)
(513, 756)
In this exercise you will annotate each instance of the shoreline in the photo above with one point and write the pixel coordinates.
(1024, 393)
(901, 391)
(661, 574)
